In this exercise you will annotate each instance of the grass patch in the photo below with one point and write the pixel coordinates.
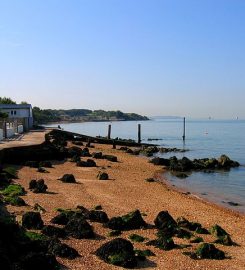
(14, 190)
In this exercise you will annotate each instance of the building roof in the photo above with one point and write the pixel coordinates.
(15, 106)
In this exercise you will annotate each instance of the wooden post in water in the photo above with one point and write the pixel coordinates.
(183, 129)
(109, 132)
(139, 133)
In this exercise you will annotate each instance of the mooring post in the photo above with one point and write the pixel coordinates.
(139, 133)
(183, 129)
(109, 132)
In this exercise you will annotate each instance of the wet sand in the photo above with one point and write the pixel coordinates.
(127, 190)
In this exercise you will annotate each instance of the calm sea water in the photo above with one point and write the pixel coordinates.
(204, 138)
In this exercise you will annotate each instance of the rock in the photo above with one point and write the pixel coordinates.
(131, 221)
(42, 170)
(75, 159)
(97, 155)
(160, 161)
(118, 252)
(164, 243)
(88, 163)
(32, 164)
(45, 163)
(102, 176)
(68, 178)
(32, 220)
(225, 162)
(110, 158)
(79, 228)
(197, 240)
(136, 238)
(61, 219)
(165, 221)
(224, 240)
(53, 231)
(98, 216)
(218, 231)
(14, 200)
(114, 233)
(150, 180)
(209, 251)
(85, 152)
(38, 186)
(74, 151)
(80, 143)
(39, 208)
(192, 226)
(62, 250)
(38, 261)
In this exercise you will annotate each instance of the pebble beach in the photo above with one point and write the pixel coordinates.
(125, 191)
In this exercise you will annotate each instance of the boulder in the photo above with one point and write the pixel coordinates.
(98, 216)
(62, 250)
(38, 186)
(74, 151)
(85, 152)
(218, 231)
(118, 252)
(110, 158)
(160, 161)
(45, 163)
(32, 220)
(68, 178)
(209, 251)
(97, 155)
(53, 231)
(164, 221)
(102, 176)
(32, 164)
(79, 228)
(38, 261)
(88, 163)
(131, 221)
(164, 243)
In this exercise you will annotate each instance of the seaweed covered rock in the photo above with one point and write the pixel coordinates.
(164, 221)
(164, 243)
(38, 186)
(32, 164)
(79, 228)
(225, 162)
(68, 178)
(110, 158)
(45, 163)
(85, 152)
(209, 251)
(192, 226)
(62, 250)
(160, 161)
(118, 252)
(38, 261)
(64, 216)
(53, 231)
(98, 216)
(97, 155)
(32, 220)
(14, 200)
(88, 163)
(103, 176)
(131, 221)
(74, 151)
(218, 231)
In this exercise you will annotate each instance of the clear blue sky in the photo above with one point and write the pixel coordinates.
(154, 57)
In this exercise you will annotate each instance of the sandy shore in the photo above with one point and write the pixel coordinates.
(127, 190)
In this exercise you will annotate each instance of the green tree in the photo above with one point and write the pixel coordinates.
(6, 100)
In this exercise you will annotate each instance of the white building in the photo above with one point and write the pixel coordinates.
(20, 113)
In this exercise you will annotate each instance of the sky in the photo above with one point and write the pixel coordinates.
(153, 57)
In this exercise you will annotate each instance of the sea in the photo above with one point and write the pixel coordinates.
(204, 138)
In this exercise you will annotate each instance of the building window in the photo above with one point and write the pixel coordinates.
(14, 112)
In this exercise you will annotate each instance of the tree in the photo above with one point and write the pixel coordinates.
(3, 115)
(24, 103)
(6, 100)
